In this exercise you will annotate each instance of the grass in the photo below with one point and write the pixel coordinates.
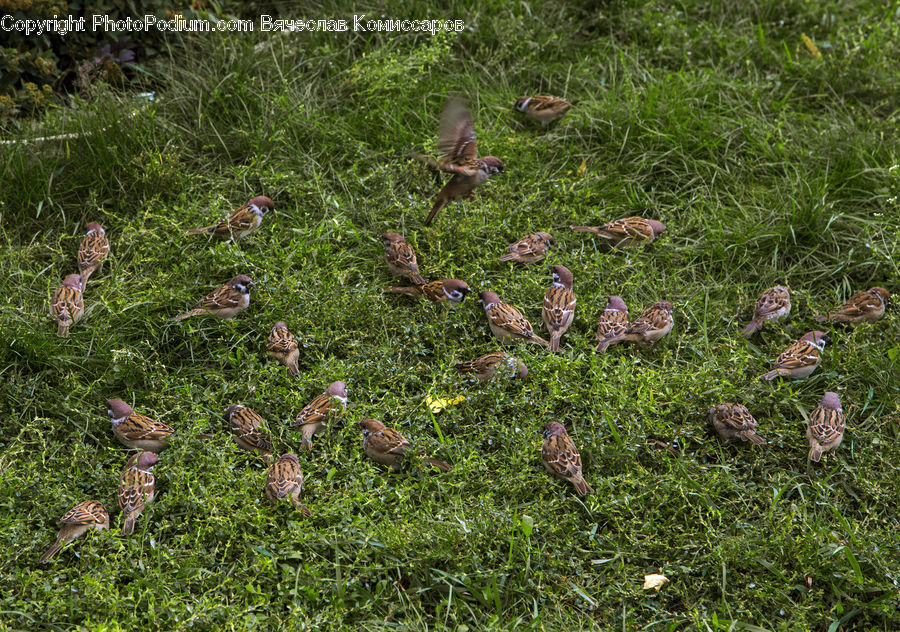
(767, 165)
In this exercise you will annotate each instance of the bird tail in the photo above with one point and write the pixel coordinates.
(128, 527)
(438, 205)
(86, 274)
(292, 363)
(441, 465)
(554, 341)
(822, 319)
(815, 453)
(539, 341)
(412, 291)
(771, 375)
(53, 550)
(581, 487)
(752, 437)
(465, 367)
(508, 257)
(63, 329)
(302, 508)
(417, 279)
(193, 312)
(584, 229)
(754, 325)
(200, 231)
(606, 343)
(428, 161)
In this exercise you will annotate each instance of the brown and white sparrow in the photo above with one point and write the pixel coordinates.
(826, 427)
(544, 109)
(559, 305)
(865, 306)
(773, 304)
(613, 321)
(401, 258)
(311, 420)
(84, 516)
(137, 486)
(801, 358)
(506, 322)
(93, 251)
(136, 430)
(486, 366)
(626, 231)
(560, 457)
(653, 323)
(285, 480)
(67, 304)
(456, 143)
(247, 429)
(226, 302)
(529, 249)
(733, 422)
(282, 346)
(387, 446)
(241, 222)
(438, 291)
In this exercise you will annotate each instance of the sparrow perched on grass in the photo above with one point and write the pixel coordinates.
(387, 446)
(93, 250)
(560, 457)
(486, 366)
(241, 222)
(826, 427)
(801, 358)
(733, 422)
(136, 487)
(506, 322)
(86, 515)
(543, 109)
(627, 231)
(311, 420)
(773, 304)
(613, 321)
(438, 291)
(456, 143)
(67, 304)
(136, 430)
(865, 306)
(653, 323)
(286, 480)
(247, 428)
(400, 257)
(559, 305)
(226, 302)
(282, 346)
(529, 249)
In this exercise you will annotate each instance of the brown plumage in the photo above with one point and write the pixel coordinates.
(529, 249)
(560, 457)
(626, 231)
(84, 516)
(285, 480)
(247, 429)
(865, 306)
(135, 430)
(94, 249)
(773, 304)
(67, 304)
(486, 366)
(282, 345)
(439, 291)
(826, 427)
(137, 487)
(544, 109)
(612, 323)
(311, 420)
(401, 258)
(733, 422)
(241, 222)
(387, 446)
(559, 306)
(506, 322)
(225, 302)
(653, 323)
(801, 358)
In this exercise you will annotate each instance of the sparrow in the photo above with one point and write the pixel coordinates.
(136, 487)
(456, 143)
(484, 367)
(613, 321)
(89, 514)
(246, 426)
(225, 302)
(387, 446)
(560, 457)
(734, 422)
(241, 222)
(773, 304)
(286, 479)
(529, 249)
(400, 257)
(438, 291)
(865, 306)
(559, 305)
(801, 358)
(282, 346)
(506, 322)
(92, 252)
(312, 418)
(653, 323)
(136, 430)
(627, 231)
(67, 304)
(543, 109)
(826, 427)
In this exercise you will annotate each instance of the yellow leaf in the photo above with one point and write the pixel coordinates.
(811, 46)
(655, 581)
(437, 404)
(582, 168)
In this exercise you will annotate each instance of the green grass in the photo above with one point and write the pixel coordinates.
(766, 164)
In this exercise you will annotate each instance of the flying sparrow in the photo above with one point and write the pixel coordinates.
(484, 367)
(226, 302)
(561, 458)
(93, 250)
(387, 446)
(734, 422)
(86, 515)
(136, 430)
(801, 358)
(627, 231)
(136, 487)
(865, 306)
(506, 322)
(543, 109)
(613, 321)
(286, 479)
(456, 143)
(241, 222)
(529, 249)
(773, 304)
(247, 428)
(559, 305)
(282, 346)
(311, 420)
(653, 323)
(400, 257)
(826, 427)
(67, 305)
(437, 291)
